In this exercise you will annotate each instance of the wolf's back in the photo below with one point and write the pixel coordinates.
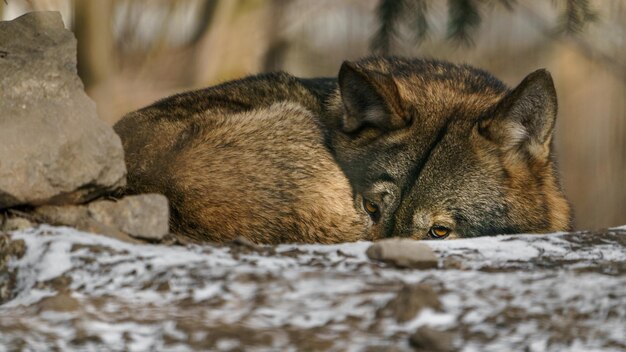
(263, 173)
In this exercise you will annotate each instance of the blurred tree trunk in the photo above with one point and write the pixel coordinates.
(208, 15)
(214, 42)
(277, 45)
(235, 42)
(93, 30)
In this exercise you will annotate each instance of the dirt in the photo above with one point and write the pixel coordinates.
(409, 301)
(427, 339)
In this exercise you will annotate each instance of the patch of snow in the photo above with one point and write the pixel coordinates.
(431, 318)
(226, 344)
(28, 297)
(208, 291)
(169, 328)
(510, 249)
(132, 295)
(114, 335)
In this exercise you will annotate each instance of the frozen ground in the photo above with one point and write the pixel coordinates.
(79, 291)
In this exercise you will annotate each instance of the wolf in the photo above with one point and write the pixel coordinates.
(415, 148)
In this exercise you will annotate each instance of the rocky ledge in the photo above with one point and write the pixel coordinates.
(70, 290)
(59, 163)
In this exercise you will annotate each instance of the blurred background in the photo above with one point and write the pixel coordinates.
(133, 52)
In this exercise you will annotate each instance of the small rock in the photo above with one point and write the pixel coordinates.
(403, 253)
(409, 301)
(77, 216)
(143, 216)
(70, 215)
(54, 149)
(454, 262)
(16, 224)
(431, 340)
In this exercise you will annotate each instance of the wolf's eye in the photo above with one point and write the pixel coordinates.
(370, 207)
(439, 232)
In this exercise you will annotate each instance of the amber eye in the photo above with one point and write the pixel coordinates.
(370, 207)
(439, 232)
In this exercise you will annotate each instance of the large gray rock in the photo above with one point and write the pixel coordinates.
(53, 147)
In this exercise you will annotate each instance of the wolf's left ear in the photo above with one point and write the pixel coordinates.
(526, 116)
(370, 98)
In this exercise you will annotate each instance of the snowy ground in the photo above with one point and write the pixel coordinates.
(79, 291)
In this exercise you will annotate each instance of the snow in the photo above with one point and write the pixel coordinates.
(509, 293)
(522, 248)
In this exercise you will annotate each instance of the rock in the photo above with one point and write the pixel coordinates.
(55, 149)
(15, 224)
(409, 301)
(403, 253)
(431, 340)
(68, 215)
(77, 216)
(8, 277)
(142, 216)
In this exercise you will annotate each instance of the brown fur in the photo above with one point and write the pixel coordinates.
(263, 174)
(276, 158)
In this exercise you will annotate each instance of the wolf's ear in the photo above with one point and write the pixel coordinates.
(525, 117)
(370, 98)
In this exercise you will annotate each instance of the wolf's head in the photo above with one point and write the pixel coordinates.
(436, 150)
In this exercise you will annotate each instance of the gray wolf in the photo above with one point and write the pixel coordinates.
(391, 147)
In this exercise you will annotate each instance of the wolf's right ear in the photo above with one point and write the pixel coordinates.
(525, 117)
(370, 98)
